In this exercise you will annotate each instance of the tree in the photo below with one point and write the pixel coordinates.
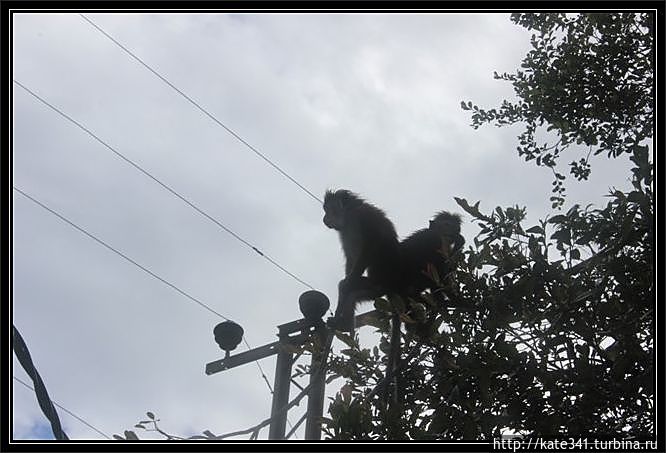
(589, 79)
(549, 329)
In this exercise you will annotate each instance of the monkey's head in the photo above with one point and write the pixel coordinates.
(446, 224)
(336, 206)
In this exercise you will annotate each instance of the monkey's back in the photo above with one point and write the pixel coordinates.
(381, 239)
(416, 251)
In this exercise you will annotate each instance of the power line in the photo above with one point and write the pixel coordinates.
(65, 410)
(218, 122)
(199, 107)
(116, 251)
(162, 184)
(175, 193)
(148, 271)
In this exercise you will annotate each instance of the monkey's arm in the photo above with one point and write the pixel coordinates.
(451, 246)
(458, 243)
(358, 266)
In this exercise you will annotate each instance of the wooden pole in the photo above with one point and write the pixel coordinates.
(318, 385)
(280, 395)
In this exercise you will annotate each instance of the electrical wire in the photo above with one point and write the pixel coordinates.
(200, 211)
(99, 241)
(175, 193)
(143, 268)
(162, 184)
(199, 107)
(65, 410)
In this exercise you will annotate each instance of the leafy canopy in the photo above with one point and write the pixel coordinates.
(587, 83)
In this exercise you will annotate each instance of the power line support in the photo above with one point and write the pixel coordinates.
(318, 385)
(291, 335)
(280, 392)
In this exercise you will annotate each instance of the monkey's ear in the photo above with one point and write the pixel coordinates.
(343, 196)
(328, 196)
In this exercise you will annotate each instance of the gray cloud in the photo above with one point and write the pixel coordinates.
(368, 102)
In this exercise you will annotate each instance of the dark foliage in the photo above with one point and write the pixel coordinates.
(588, 81)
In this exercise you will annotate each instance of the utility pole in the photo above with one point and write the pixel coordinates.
(313, 305)
(318, 385)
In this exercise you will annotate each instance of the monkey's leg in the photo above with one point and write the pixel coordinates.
(350, 292)
(345, 308)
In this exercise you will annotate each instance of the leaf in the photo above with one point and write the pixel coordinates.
(562, 235)
(469, 429)
(383, 305)
(636, 197)
(405, 318)
(375, 320)
(573, 209)
(627, 224)
(557, 219)
(431, 273)
(438, 423)
(500, 213)
(346, 392)
(583, 349)
(331, 378)
(347, 352)
(472, 210)
(131, 435)
(462, 203)
(454, 396)
(150, 415)
(535, 229)
(398, 304)
(345, 338)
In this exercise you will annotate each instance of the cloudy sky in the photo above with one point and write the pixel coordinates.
(365, 102)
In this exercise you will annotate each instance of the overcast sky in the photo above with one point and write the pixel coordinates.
(365, 102)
